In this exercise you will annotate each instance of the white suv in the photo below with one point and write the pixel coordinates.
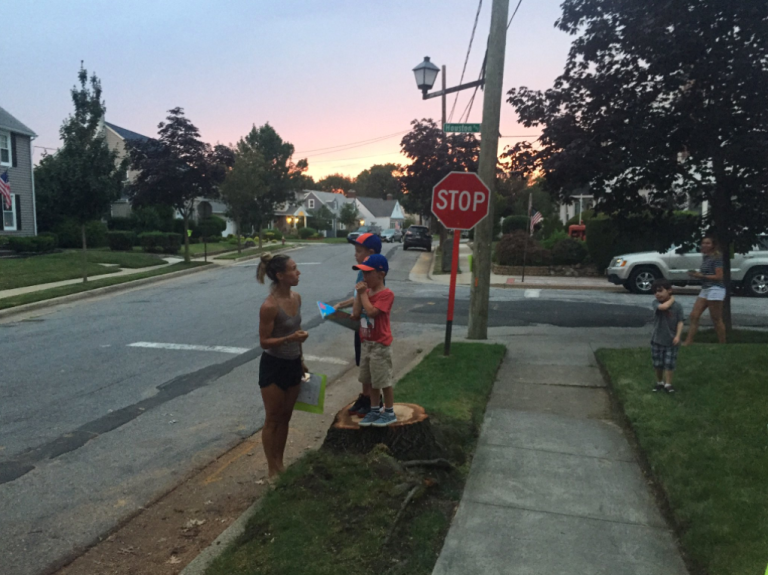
(636, 272)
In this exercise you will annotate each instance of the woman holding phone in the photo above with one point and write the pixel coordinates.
(712, 293)
(282, 366)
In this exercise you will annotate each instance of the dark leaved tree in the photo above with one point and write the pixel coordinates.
(348, 215)
(243, 190)
(379, 181)
(176, 168)
(336, 183)
(661, 105)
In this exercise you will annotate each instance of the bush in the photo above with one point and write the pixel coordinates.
(51, 235)
(568, 252)
(513, 224)
(586, 216)
(4, 241)
(178, 228)
(408, 222)
(120, 241)
(32, 244)
(120, 224)
(277, 235)
(160, 242)
(318, 236)
(211, 227)
(550, 241)
(511, 247)
(70, 236)
(305, 233)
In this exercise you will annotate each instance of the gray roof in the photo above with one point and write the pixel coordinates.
(127, 134)
(379, 208)
(8, 122)
(328, 198)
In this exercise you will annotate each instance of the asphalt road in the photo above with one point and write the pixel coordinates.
(92, 428)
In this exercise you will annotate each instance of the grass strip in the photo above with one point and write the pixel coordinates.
(217, 247)
(331, 513)
(250, 252)
(41, 295)
(706, 446)
(737, 336)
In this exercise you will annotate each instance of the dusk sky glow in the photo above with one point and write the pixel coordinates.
(323, 73)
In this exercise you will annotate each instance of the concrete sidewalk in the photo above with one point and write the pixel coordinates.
(554, 486)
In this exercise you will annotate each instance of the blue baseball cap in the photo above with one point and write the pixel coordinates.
(375, 262)
(368, 241)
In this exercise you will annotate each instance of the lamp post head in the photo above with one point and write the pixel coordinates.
(426, 74)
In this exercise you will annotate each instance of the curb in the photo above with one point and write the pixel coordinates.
(533, 285)
(100, 291)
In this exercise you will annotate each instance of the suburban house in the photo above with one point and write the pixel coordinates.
(382, 213)
(20, 218)
(116, 138)
(311, 200)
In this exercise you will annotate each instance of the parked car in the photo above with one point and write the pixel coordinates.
(352, 236)
(391, 235)
(636, 272)
(417, 237)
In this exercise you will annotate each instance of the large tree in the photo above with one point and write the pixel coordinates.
(433, 154)
(84, 177)
(243, 190)
(264, 170)
(348, 215)
(177, 167)
(379, 181)
(336, 183)
(665, 98)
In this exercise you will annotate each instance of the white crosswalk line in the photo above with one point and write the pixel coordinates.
(334, 360)
(226, 349)
(532, 293)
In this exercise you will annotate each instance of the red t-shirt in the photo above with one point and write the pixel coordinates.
(378, 328)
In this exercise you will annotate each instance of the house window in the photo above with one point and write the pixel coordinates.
(311, 204)
(5, 149)
(9, 214)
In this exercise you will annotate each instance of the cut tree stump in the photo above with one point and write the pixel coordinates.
(409, 438)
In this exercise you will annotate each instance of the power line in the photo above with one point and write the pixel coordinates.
(349, 146)
(356, 158)
(513, 13)
(466, 58)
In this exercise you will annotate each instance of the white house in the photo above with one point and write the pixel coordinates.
(382, 213)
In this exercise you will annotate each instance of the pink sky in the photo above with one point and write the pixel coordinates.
(324, 73)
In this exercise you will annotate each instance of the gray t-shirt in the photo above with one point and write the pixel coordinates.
(665, 323)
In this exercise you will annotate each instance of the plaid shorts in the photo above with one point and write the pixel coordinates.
(664, 357)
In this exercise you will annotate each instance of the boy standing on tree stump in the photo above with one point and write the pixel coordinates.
(373, 304)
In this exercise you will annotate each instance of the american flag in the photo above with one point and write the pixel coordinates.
(536, 217)
(5, 189)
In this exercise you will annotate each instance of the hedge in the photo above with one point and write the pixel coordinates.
(121, 241)
(513, 224)
(568, 252)
(273, 235)
(31, 244)
(70, 236)
(511, 249)
(160, 242)
(306, 233)
(610, 237)
(211, 227)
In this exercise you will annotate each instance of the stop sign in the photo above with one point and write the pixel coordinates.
(460, 200)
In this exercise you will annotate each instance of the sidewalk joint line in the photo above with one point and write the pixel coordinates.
(490, 443)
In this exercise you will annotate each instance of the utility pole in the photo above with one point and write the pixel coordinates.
(489, 151)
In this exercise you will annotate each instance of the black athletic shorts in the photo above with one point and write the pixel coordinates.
(284, 373)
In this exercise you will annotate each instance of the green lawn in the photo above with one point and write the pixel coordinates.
(20, 272)
(707, 446)
(331, 513)
(213, 247)
(250, 252)
(41, 295)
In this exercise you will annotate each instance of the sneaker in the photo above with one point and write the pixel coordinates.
(658, 387)
(370, 419)
(385, 419)
(669, 389)
(357, 405)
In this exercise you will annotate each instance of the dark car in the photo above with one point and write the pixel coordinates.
(417, 237)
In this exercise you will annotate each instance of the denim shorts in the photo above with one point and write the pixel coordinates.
(664, 356)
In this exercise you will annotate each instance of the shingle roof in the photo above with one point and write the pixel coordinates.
(127, 134)
(379, 208)
(8, 122)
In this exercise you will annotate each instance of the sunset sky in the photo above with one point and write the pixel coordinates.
(324, 73)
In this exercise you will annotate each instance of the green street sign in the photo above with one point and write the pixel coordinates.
(466, 128)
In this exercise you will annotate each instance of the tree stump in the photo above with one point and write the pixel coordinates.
(409, 438)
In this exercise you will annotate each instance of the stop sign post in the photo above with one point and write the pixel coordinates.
(460, 201)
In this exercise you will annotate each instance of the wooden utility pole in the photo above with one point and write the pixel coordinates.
(489, 151)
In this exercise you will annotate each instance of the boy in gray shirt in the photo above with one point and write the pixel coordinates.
(667, 329)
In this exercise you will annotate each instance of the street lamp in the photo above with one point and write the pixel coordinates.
(426, 74)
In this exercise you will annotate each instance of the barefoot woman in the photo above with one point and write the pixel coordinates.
(712, 292)
(282, 366)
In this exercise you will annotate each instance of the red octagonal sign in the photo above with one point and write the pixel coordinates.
(460, 200)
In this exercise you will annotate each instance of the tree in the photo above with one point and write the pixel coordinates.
(433, 154)
(242, 189)
(177, 167)
(665, 98)
(379, 181)
(336, 184)
(267, 178)
(84, 177)
(348, 215)
(321, 218)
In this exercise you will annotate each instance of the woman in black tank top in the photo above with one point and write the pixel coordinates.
(282, 366)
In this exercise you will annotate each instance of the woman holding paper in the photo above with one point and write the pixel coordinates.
(282, 366)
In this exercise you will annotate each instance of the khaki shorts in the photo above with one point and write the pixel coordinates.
(376, 365)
